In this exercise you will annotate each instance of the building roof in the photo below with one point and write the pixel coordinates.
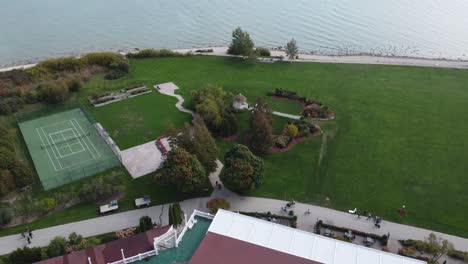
(232, 235)
(111, 252)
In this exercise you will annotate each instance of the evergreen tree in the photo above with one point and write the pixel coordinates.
(241, 43)
(261, 133)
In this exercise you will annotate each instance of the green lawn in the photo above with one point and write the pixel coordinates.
(140, 119)
(398, 138)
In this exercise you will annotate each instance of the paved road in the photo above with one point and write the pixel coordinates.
(128, 219)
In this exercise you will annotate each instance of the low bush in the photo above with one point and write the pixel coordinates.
(145, 224)
(57, 247)
(22, 173)
(268, 215)
(54, 92)
(26, 255)
(382, 239)
(101, 188)
(74, 85)
(458, 254)
(217, 203)
(6, 214)
(46, 205)
(7, 158)
(204, 50)
(291, 130)
(68, 64)
(262, 52)
(153, 53)
(104, 59)
(114, 75)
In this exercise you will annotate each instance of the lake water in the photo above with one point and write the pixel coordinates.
(37, 29)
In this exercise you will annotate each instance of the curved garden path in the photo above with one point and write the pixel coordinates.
(169, 89)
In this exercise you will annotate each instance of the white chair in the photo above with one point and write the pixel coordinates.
(352, 211)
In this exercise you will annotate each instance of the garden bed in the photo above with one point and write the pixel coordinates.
(112, 97)
(312, 109)
(285, 220)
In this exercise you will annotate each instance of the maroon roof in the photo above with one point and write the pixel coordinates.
(110, 252)
(216, 249)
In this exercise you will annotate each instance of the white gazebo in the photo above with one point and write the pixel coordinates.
(240, 102)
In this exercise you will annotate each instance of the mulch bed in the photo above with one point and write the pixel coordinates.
(231, 138)
(287, 99)
(294, 142)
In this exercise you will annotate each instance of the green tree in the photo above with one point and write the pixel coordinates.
(146, 223)
(437, 247)
(291, 49)
(175, 215)
(243, 170)
(197, 140)
(74, 84)
(183, 170)
(228, 125)
(261, 130)
(57, 247)
(241, 43)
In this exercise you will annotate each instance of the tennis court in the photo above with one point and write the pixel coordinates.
(66, 147)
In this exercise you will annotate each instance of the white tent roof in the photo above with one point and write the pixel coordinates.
(299, 243)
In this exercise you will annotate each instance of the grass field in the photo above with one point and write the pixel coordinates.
(140, 119)
(399, 135)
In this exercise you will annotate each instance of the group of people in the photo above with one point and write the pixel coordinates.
(289, 204)
(28, 235)
(218, 185)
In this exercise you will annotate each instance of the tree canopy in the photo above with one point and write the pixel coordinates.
(243, 170)
(183, 170)
(241, 43)
(292, 49)
(197, 140)
(213, 104)
(261, 130)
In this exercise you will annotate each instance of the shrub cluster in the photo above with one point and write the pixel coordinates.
(51, 80)
(146, 223)
(13, 172)
(312, 108)
(268, 215)
(57, 247)
(204, 50)
(217, 203)
(101, 188)
(154, 53)
(262, 52)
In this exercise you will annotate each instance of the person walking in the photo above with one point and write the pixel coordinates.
(30, 233)
(388, 235)
(29, 240)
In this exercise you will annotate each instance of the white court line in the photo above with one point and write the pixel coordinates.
(56, 123)
(73, 153)
(79, 141)
(63, 138)
(92, 145)
(66, 141)
(50, 158)
(52, 150)
(78, 163)
(81, 145)
(71, 122)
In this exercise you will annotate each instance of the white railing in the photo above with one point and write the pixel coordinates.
(188, 223)
(135, 258)
(164, 237)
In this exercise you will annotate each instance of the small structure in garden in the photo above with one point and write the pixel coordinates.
(240, 102)
(111, 97)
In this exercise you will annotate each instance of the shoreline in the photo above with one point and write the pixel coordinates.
(306, 57)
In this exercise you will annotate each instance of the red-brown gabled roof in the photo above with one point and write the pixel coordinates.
(110, 252)
(216, 249)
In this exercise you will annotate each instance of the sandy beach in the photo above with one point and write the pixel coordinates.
(349, 59)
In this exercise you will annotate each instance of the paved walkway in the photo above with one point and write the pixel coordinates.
(169, 89)
(295, 117)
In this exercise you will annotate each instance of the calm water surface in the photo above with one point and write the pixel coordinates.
(36, 29)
